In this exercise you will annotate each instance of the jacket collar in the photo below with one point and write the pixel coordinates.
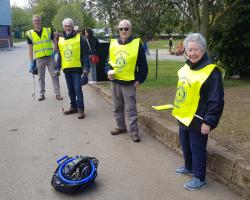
(71, 35)
(127, 41)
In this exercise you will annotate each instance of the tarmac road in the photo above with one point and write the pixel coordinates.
(33, 135)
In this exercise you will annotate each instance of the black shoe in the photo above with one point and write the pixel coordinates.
(81, 114)
(70, 111)
(58, 97)
(135, 137)
(118, 131)
(41, 98)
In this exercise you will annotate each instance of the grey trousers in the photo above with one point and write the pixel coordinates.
(41, 64)
(124, 101)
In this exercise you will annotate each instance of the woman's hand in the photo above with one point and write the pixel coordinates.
(205, 129)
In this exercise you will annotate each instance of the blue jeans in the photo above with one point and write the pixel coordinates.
(194, 145)
(74, 89)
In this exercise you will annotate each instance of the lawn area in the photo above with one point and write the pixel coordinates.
(167, 76)
(162, 44)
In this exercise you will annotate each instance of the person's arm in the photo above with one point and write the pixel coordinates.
(58, 61)
(96, 46)
(84, 56)
(55, 41)
(214, 101)
(142, 67)
(30, 52)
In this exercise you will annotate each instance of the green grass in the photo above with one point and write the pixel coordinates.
(236, 83)
(167, 76)
(161, 44)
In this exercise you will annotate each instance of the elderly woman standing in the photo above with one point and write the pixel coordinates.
(198, 106)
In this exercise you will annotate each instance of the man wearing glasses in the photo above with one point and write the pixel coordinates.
(40, 43)
(127, 68)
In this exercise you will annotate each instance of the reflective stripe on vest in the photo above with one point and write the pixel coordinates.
(123, 59)
(188, 91)
(70, 52)
(42, 46)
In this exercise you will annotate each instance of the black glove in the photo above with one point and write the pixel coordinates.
(33, 69)
(85, 72)
(57, 71)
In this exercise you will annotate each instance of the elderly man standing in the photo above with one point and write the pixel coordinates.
(40, 41)
(74, 63)
(127, 68)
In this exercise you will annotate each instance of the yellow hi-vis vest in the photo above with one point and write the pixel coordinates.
(123, 59)
(188, 91)
(70, 52)
(42, 46)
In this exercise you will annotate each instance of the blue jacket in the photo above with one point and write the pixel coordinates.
(141, 70)
(211, 101)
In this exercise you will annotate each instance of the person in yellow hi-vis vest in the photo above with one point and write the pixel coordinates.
(127, 68)
(74, 62)
(41, 44)
(198, 106)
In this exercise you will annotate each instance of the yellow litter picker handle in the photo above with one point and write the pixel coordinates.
(163, 107)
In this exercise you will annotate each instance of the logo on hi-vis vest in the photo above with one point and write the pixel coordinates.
(67, 53)
(120, 61)
(181, 94)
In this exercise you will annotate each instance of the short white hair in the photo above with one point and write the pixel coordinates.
(68, 21)
(125, 21)
(197, 38)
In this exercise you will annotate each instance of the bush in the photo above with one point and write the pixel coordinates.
(230, 44)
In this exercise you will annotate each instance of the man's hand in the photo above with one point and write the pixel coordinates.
(111, 75)
(57, 70)
(53, 54)
(136, 83)
(85, 72)
(32, 67)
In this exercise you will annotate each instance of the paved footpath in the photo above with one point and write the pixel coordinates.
(163, 54)
(33, 135)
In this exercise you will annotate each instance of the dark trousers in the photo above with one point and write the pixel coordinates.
(75, 90)
(194, 145)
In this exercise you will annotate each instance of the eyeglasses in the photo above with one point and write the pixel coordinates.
(193, 50)
(123, 29)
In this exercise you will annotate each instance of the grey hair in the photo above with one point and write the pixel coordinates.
(195, 37)
(127, 22)
(68, 21)
(37, 16)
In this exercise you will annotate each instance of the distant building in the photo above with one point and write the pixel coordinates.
(5, 24)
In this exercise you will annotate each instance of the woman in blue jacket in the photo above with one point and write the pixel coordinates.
(198, 106)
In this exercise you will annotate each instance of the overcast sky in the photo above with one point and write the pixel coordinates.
(19, 3)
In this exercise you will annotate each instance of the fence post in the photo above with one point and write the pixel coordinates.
(156, 63)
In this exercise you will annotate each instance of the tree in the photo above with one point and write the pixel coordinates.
(205, 15)
(106, 11)
(145, 16)
(21, 18)
(73, 11)
(47, 9)
(230, 43)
